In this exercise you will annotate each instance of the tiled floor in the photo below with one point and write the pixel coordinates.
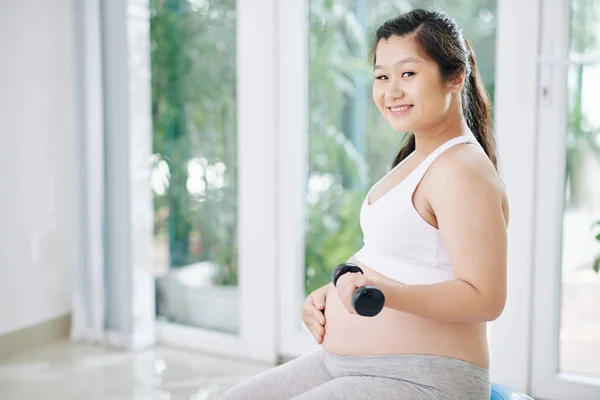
(68, 371)
(75, 371)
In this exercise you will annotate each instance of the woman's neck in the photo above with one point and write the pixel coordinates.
(428, 140)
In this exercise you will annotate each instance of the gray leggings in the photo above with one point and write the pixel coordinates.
(320, 375)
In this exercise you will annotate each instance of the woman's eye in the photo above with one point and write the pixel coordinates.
(411, 74)
(381, 77)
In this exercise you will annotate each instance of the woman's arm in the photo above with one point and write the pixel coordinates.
(466, 198)
(452, 301)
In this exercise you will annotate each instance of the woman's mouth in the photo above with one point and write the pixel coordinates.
(399, 110)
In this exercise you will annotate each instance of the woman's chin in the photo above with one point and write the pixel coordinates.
(401, 128)
(400, 124)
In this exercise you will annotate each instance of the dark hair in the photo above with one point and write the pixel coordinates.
(441, 39)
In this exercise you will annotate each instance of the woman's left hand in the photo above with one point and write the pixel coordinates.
(347, 284)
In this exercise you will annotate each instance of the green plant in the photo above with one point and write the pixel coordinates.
(194, 129)
(581, 139)
(333, 234)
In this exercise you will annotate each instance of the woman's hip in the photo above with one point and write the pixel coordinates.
(448, 375)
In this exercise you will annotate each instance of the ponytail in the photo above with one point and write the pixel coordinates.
(477, 109)
(408, 148)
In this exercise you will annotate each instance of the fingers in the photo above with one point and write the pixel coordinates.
(318, 338)
(347, 279)
(348, 292)
(318, 298)
(308, 307)
(346, 289)
(311, 313)
(316, 327)
(312, 316)
(317, 330)
(318, 316)
(319, 302)
(360, 280)
(313, 319)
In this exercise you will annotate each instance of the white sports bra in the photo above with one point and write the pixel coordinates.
(398, 242)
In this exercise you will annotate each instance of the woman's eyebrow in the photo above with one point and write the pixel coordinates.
(403, 61)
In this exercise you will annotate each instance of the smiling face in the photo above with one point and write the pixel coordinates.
(408, 88)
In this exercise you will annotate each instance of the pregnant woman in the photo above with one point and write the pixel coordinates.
(434, 231)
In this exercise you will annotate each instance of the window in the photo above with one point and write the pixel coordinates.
(194, 176)
(580, 297)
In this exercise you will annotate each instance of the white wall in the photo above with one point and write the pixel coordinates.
(38, 181)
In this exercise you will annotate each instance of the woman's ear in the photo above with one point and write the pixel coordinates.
(455, 85)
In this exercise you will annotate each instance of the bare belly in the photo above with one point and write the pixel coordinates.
(395, 332)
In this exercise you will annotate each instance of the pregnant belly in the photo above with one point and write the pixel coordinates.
(395, 332)
(352, 334)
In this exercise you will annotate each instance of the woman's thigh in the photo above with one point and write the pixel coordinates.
(284, 381)
(370, 388)
(402, 376)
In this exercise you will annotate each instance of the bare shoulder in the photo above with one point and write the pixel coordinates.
(465, 170)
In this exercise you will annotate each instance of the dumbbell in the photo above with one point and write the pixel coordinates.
(367, 300)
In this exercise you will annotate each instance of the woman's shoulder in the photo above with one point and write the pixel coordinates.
(466, 171)
(467, 162)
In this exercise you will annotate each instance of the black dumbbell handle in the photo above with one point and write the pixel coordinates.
(342, 269)
(367, 300)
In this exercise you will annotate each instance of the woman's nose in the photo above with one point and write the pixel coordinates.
(394, 91)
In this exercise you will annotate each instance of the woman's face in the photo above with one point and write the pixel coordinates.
(408, 89)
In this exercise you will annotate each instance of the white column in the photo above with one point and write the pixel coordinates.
(127, 102)
(516, 130)
(88, 314)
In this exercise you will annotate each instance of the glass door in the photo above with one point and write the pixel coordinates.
(566, 282)
(213, 175)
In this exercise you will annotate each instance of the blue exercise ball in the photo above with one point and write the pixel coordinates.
(501, 392)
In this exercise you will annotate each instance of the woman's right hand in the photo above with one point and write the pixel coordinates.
(312, 313)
